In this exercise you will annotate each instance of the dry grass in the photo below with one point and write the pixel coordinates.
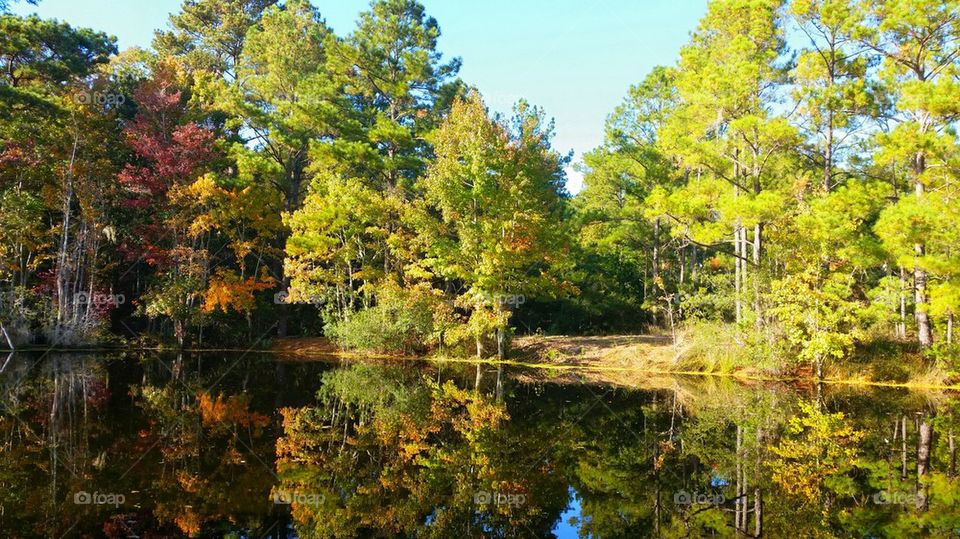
(306, 348)
(633, 351)
(709, 355)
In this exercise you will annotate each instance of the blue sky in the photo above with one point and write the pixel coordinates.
(574, 58)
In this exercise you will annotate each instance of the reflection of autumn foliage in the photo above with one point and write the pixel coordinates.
(142, 524)
(383, 465)
(666, 448)
(189, 521)
(232, 411)
(390, 456)
(212, 447)
(819, 446)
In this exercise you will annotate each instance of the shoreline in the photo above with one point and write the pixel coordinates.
(530, 351)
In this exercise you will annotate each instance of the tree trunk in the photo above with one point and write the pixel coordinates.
(673, 327)
(950, 328)
(744, 265)
(180, 332)
(953, 455)
(501, 344)
(682, 263)
(283, 315)
(902, 327)
(656, 479)
(738, 264)
(683, 272)
(693, 261)
(924, 333)
(739, 253)
(63, 270)
(757, 247)
(6, 362)
(757, 513)
(923, 461)
(828, 152)
(6, 336)
(656, 268)
(739, 515)
(903, 448)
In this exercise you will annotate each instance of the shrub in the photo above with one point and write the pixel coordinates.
(403, 320)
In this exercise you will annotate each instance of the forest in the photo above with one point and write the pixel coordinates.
(783, 198)
(270, 278)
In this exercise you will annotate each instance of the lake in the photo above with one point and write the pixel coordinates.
(250, 445)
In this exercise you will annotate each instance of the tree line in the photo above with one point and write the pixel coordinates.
(254, 169)
(792, 177)
(794, 173)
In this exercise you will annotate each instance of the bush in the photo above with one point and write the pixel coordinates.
(946, 357)
(403, 320)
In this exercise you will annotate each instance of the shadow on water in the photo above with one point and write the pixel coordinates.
(246, 445)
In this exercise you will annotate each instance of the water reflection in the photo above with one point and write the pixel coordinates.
(213, 446)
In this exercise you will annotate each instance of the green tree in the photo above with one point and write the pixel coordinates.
(618, 178)
(352, 237)
(818, 300)
(210, 34)
(831, 84)
(918, 43)
(725, 125)
(498, 191)
(280, 104)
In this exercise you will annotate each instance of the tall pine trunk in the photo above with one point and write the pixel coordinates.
(924, 333)
(656, 270)
(757, 246)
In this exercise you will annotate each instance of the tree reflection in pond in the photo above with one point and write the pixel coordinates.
(248, 446)
(389, 454)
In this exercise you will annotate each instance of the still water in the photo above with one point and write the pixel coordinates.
(251, 445)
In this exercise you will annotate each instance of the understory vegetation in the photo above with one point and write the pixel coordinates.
(783, 198)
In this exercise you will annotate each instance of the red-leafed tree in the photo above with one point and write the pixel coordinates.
(171, 152)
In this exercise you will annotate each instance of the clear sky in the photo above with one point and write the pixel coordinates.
(575, 58)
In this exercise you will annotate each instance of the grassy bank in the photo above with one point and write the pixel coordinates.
(706, 350)
(716, 350)
(636, 360)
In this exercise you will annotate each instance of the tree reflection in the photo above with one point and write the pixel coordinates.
(200, 446)
(388, 454)
(179, 459)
